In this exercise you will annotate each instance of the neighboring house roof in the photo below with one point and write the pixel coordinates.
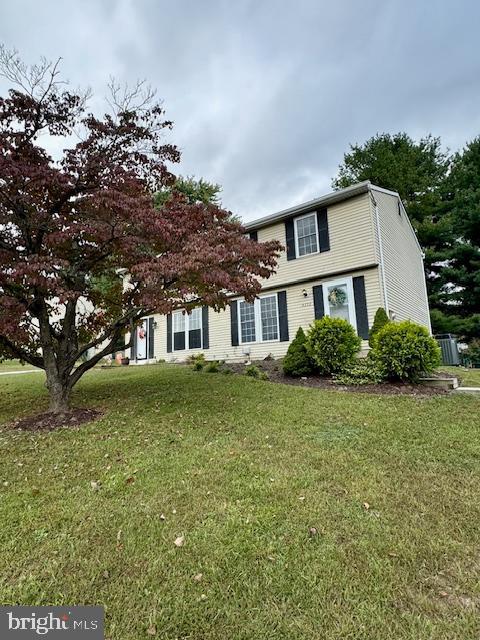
(322, 201)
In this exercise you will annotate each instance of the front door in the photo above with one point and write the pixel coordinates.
(142, 340)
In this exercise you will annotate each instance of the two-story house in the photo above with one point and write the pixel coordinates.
(346, 254)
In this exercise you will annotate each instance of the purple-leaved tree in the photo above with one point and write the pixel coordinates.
(69, 224)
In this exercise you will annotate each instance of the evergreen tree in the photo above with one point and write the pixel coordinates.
(457, 286)
(379, 321)
(297, 362)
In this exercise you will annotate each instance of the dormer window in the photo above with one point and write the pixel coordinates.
(306, 234)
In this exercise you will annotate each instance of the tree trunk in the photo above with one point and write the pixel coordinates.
(59, 394)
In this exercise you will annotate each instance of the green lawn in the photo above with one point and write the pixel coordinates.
(466, 377)
(242, 469)
(14, 365)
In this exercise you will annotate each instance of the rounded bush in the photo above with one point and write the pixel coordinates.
(405, 350)
(332, 344)
(297, 361)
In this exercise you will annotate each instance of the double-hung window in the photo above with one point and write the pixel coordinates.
(339, 301)
(306, 234)
(258, 320)
(187, 329)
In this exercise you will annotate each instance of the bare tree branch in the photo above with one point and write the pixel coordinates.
(122, 97)
(36, 80)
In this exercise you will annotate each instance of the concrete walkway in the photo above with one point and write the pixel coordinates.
(474, 390)
(14, 373)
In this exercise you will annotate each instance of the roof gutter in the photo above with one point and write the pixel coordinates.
(323, 201)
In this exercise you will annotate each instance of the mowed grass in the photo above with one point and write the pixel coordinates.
(466, 377)
(243, 469)
(14, 365)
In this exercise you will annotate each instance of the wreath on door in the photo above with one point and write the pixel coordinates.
(141, 333)
(337, 297)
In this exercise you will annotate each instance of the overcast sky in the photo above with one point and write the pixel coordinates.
(267, 95)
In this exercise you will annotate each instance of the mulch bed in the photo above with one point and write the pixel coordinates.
(275, 373)
(49, 421)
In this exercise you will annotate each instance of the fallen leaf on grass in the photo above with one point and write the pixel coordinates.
(198, 577)
(152, 630)
(179, 542)
(366, 506)
(95, 485)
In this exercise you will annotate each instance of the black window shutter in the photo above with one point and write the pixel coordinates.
(322, 223)
(360, 306)
(133, 348)
(169, 333)
(290, 239)
(282, 315)
(254, 235)
(318, 306)
(234, 322)
(151, 338)
(205, 332)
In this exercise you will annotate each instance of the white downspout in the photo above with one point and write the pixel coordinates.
(382, 263)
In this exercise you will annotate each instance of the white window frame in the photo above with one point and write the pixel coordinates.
(258, 320)
(186, 329)
(297, 251)
(351, 298)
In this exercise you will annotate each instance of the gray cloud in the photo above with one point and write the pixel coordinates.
(266, 95)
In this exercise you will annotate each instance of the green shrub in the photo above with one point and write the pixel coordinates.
(473, 351)
(405, 350)
(197, 361)
(380, 320)
(227, 371)
(263, 376)
(362, 371)
(332, 344)
(195, 357)
(297, 362)
(212, 367)
(252, 371)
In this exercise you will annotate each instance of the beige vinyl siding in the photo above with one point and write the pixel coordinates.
(300, 314)
(352, 243)
(403, 263)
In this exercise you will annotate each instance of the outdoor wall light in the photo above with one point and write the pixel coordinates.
(304, 293)
(155, 324)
